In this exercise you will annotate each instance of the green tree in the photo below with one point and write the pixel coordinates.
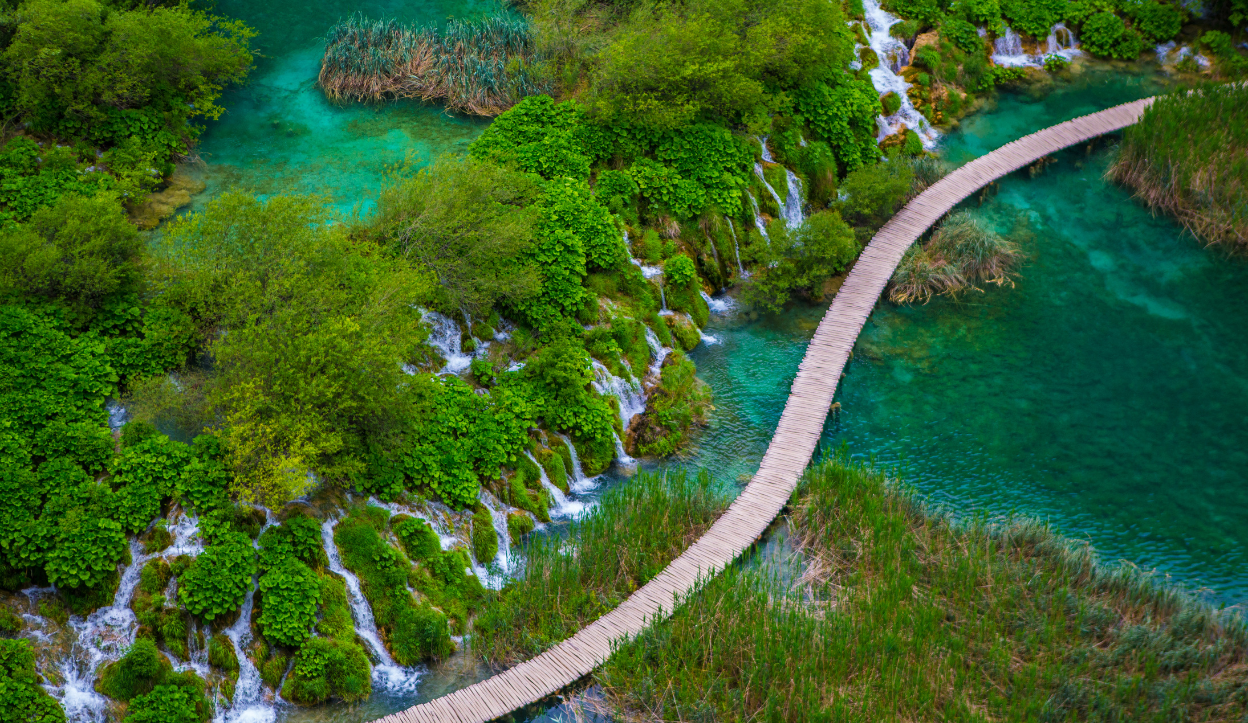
(799, 259)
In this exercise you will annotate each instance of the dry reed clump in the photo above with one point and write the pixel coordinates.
(1188, 157)
(480, 67)
(962, 252)
(915, 616)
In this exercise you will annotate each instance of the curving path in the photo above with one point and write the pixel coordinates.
(799, 430)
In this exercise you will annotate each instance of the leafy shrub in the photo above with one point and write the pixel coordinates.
(291, 593)
(218, 580)
(1107, 35)
(539, 136)
(799, 260)
(326, 669)
(1158, 22)
(35, 179)
(874, 193)
(929, 12)
(1230, 62)
(144, 475)
(616, 190)
(298, 538)
(981, 12)
(711, 157)
(1034, 17)
(962, 34)
(843, 115)
(419, 540)
(169, 704)
(81, 252)
(665, 189)
(561, 375)
(679, 403)
(88, 543)
(679, 270)
(1055, 63)
(21, 698)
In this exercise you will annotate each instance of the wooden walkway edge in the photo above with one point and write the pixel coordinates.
(791, 448)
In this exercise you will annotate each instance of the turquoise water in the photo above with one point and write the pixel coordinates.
(280, 134)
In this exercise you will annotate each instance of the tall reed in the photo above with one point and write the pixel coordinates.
(628, 538)
(1188, 157)
(481, 67)
(962, 251)
(907, 615)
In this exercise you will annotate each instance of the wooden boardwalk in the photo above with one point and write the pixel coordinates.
(797, 434)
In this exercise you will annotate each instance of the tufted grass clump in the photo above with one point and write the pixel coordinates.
(962, 252)
(629, 537)
(1188, 157)
(902, 614)
(480, 67)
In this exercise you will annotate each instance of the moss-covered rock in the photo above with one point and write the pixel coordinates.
(677, 404)
(519, 524)
(327, 669)
(484, 536)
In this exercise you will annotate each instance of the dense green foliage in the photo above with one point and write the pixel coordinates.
(21, 698)
(799, 259)
(897, 614)
(326, 668)
(678, 404)
(290, 590)
(1187, 157)
(634, 531)
(219, 578)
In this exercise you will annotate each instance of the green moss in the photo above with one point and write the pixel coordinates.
(272, 669)
(417, 537)
(519, 495)
(556, 470)
(158, 539)
(140, 670)
(448, 585)
(484, 536)
(679, 403)
(518, 525)
(221, 655)
(336, 621)
(10, 622)
(595, 454)
(154, 576)
(683, 332)
(326, 669)
(890, 102)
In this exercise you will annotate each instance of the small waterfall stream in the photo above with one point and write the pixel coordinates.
(741, 272)
(445, 337)
(252, 702)
(580, 483)
(893, 55)
(564, 506)
(386, 673)
(496, 576)
(1008, 50)
(759, 223)
(632, 400)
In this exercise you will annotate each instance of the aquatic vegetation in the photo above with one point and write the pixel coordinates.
(623, 542)
(480, 66)
(898, 612)
(962, 251)
(1186, 158)
(219, 578)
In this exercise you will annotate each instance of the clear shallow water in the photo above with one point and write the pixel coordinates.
(280, 134)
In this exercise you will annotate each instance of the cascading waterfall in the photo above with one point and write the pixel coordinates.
(717, 306)
(884, 77)
(445, 337)
(105, 634)
(386, 673)
(658, 352)
(759, 223)
(502, 561)
(632, 400)
(252, 702)
(794, 205)
(621, 456)
(664, 311)
(564, 506)
(1008, 50)
(580, 483)
(741, 272)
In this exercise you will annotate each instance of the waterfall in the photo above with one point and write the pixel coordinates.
(117, 414)
(657, 351)
(445, 337)
(717, 306)
(891, 52)
(621, 456)
(759, 223)
(1008, 50)
(502, 560)
(564, 507)
(737, 247)
(663, 298)
(632, 401)
(793, 213)
(386, 673)
(580, 483)
(249, 704)
(758, 171)
(714, 251)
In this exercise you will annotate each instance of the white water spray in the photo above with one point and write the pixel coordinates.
(741, 272)
(893, 55)
(564, 506)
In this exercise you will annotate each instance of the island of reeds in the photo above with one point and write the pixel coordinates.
(481, 67)
(1188, 158)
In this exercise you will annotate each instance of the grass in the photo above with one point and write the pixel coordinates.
(481, 67)
(901, 614)
(1188, 157)
(623, 542)
(961, 252)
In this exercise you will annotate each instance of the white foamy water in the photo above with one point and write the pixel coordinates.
(737, 247)
(565, 507)
(1008, 51)
(722, 305)
(621, 456)
(580, 483)
(386, 673)
(445, 337)
(893, 56)
(658, 353)
(632, 399)
(759, 223)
